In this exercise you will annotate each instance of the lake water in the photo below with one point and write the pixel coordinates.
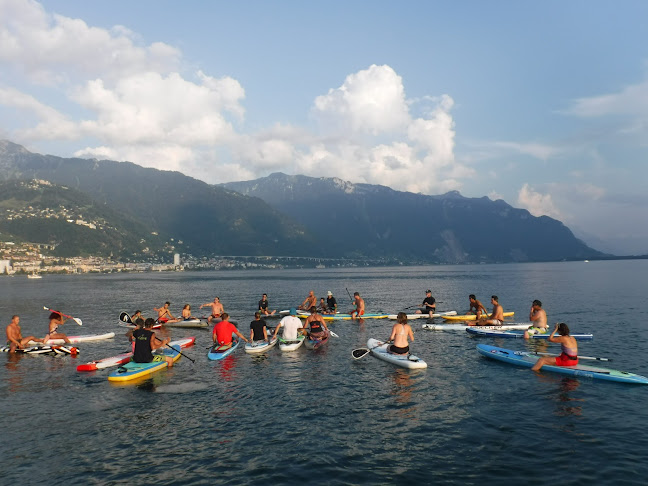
(321, 417)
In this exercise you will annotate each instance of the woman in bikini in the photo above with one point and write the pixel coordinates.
(400, 334)
(568, 345)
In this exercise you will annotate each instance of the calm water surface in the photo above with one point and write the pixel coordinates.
(321, 417)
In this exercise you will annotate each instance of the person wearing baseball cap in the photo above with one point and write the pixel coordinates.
(429, 304)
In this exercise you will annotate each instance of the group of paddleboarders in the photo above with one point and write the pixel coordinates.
(330, 305)
(15, 339)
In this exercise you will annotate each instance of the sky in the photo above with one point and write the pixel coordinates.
(541, 104)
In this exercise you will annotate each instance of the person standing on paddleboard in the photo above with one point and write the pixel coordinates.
(359, 304)
(291, 326)
(263, 306)
(15, 340)
(331, 303)
(538, 317)
(164, 314)
(258, 329)
(56, 321)
(476, 307)
(223, 330)
(429, 304)
(496, 318)
(401, 332)
(217, 309)
(568, 345)
(146, 342)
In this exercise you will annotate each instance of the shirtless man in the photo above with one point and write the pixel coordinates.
(359, 306)
(216, 309)
(15, 340)
(309, 301)
(164, 314)
(477, 306)
(496, 318)
(538, 317)
(56, 321)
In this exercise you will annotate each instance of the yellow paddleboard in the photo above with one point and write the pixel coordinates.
(470, 317)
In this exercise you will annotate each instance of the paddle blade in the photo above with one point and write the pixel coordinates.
(124, 317)
(359, 353)
(78, 321)
(333, 334)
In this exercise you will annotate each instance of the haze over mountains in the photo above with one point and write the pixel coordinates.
(302, 216)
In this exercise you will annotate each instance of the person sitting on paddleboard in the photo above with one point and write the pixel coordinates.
(476, 307)
(137, 315)
(164, 314)
(291, 326)
(331, 303)
(216, 309)
(309, 301)
(315, 325)
(15, 340)
(56, 320)
(429, 304)
(496, 318)
(146, 342)
(568, 346)
(139, 324)
(263, 306)
(186, 313)
(223, 330)
(359, 304)
(538, 317)
(258, 329)
(322, 307)
(401, 331)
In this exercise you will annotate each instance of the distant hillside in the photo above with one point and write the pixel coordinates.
(70, 221)
(371, 220)
(207, 219)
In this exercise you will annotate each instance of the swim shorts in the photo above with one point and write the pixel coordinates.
(536, 330)
(564, 360)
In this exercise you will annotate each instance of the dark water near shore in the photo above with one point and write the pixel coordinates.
(320, 417)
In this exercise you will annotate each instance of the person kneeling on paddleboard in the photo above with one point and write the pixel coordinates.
(223, 330)
(146, 342)
(315, 325)
(568, 345)
(400, 334)
(258, 329)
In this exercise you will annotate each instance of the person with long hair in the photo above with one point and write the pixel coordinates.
(401, 331)
(568, 345)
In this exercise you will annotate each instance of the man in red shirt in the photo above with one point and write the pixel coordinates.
(222, 333)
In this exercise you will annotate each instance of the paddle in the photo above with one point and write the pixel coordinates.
(360, 353)
(125, 317)
(181, 353)
(579, 356)
(349, 294)
(75, 319)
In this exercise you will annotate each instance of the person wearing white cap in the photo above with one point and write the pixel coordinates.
(331, 303)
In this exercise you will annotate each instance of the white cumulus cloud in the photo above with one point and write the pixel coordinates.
(536, 203)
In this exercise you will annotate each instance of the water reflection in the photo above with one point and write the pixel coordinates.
(15, 377)
(566, 404)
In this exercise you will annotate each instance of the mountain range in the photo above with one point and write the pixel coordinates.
(285, 215)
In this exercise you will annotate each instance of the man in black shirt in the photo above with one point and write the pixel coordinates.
(429, 304)
(331, 303)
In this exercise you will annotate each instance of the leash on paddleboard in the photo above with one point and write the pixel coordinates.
(75, 319)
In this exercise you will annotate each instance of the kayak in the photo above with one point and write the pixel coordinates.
(421, 316)
(471, 317)
(125, 357)
(218, 351)
(461, 327)
(41, 349)
(477, 330)
(79, 339)
(194, 323)
(291, 345)
(523, 358)
(334, 317)
(379, 350)
(256, 347)
(132, 370)
(316, 343)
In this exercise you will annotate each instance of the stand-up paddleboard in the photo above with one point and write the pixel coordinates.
(257, 347)
(523, 358)
(478, 331)
(423, 316)
(291, 344)
(193, 323)
(461, 327)
(78, 339)
(218, 351)
(315, 343)
(132, 370)
(125, 357)
(340, 316)
(471, 317)
(44, 349)
(379, 350)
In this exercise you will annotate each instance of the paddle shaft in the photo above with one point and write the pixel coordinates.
(75, 319)
(579, 356)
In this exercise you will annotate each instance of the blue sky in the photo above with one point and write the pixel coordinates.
(542, 104)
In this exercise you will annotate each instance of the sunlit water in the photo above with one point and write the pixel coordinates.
(319, 416)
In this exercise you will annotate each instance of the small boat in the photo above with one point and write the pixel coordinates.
(257, 347)
(523, 358)
(220, 351)
(380, 351)
(478, 331)
(34, 275)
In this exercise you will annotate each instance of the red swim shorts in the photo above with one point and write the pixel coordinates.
(563, 360)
